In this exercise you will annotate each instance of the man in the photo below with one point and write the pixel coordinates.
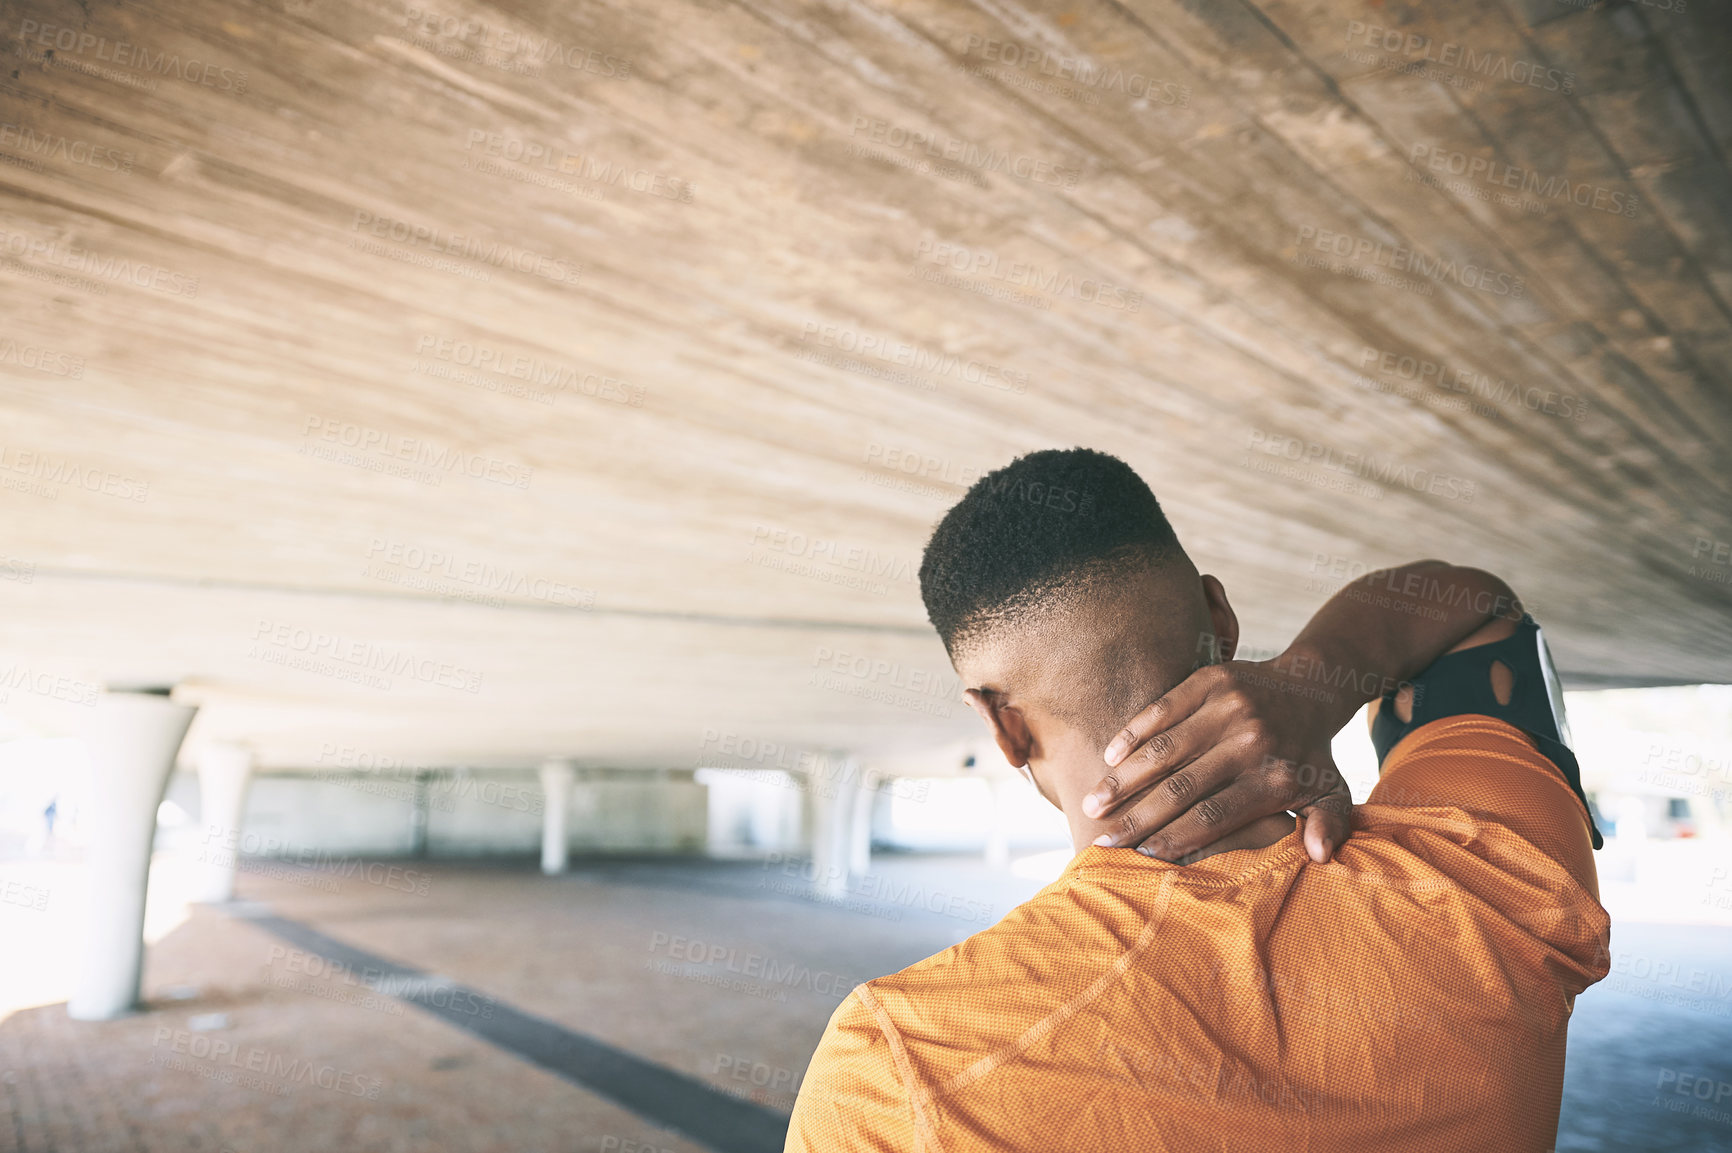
(1407, 988)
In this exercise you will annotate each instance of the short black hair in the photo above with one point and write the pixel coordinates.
(1043, 527)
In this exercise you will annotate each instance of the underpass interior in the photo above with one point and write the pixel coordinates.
(465, 466)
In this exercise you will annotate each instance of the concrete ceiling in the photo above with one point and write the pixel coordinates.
(633, 316)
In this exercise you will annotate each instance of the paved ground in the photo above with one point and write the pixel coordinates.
(724, 974)
(1650, 1061)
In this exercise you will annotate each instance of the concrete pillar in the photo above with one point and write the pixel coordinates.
(224, 772)
(557, 778)
(864, 791)
(833, 795)
(998, 832)
(132, 739)
(420, 814)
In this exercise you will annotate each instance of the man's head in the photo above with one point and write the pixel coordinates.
(1067, 604)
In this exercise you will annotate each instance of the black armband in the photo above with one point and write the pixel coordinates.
(1459, 683)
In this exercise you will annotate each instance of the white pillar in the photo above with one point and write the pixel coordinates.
(132, 740)
(557, 777)
(832, 812)
(224, 772)
(860, 818)
(998, 833)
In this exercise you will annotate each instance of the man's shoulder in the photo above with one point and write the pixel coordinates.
(897, 1042)
(992, 986)
(857, 1091)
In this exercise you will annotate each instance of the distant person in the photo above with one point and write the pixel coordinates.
(1293, 988)
(48, 816)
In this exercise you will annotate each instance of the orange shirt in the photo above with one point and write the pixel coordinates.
(1412, 994)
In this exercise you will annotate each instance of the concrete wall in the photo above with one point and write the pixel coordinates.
(466, 815)
(627, 815)
(720, 813)
(484, 814)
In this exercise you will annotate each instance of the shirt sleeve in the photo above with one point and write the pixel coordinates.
(852, 1097)
(1525, 851)
(1488, 768)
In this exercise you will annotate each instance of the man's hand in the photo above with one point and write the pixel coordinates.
(1238, 741)
(1231, 744)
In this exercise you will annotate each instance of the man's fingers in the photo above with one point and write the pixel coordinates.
(1180, 702)
(1155, 758)
(1210, 800)
(1213, 818)
(1173, 796)
(1327, 826)
(1329, 818)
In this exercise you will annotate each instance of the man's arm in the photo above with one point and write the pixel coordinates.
(1242, 740)
(1497, 630)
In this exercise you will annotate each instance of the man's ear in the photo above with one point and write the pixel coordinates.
(1222, 619)
(1008, 726)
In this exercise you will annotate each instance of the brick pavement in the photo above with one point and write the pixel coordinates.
(708, 972)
